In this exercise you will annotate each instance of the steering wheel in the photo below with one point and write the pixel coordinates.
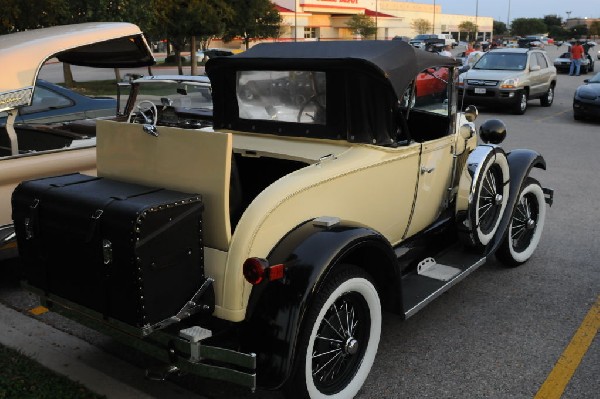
(144, 107)
(320, 107)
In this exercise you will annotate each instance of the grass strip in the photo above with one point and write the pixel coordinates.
(24, 378)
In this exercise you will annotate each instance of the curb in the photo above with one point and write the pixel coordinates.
(80, 361)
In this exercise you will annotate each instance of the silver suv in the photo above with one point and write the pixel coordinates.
(510, 76)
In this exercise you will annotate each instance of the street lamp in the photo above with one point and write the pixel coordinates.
(508, 17)
(476, 15)
(433, 26)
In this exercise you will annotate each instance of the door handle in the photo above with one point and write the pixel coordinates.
(426, 170)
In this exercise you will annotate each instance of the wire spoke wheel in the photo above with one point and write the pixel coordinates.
(339, 344)
(339, 338)
(525, 227)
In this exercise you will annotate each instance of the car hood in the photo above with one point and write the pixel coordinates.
(489, 74)
(95, 44)
(589, 91)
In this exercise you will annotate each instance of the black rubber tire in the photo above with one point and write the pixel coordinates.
(520, 106)
(577, 116)
(346, 361)
(548, 98)
(526, 225)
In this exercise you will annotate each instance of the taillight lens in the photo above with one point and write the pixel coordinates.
(256, 270)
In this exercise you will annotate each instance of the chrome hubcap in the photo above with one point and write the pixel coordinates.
(351, 346)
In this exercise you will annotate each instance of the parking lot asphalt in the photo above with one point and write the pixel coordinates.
(498, 334)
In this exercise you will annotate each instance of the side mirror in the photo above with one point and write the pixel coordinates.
(535, 68)
(471, 113)
(586, 81)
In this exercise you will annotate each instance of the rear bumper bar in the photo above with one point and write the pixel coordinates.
(192, 357)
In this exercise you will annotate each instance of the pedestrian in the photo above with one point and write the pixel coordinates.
(446, 51)
(474, 56)
(576, 51)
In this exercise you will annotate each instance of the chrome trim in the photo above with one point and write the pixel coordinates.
(16, 98)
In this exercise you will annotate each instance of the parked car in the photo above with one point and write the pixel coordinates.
(425, 40)
(586, 101)
(510, 77)
(563, 63)
(170, 100)
(213, 52)
(54, 103)
(262, 251)
(29, 151)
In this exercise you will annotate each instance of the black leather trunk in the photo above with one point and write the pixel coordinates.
(130, 252)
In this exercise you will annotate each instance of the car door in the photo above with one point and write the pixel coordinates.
(432, 125)
(545, 72)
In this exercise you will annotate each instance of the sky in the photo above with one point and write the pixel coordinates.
(499, 9)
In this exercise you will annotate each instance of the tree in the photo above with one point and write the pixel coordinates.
(579, 31)
(500, 28)
(252, 19)
(595, 28)
(362, 25)
(528, 26)
(553, 20)
(420, 26)
(469, 27)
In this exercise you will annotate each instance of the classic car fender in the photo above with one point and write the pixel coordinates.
(276, 310)
(520, 163)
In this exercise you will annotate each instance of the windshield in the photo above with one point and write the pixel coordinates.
(595, 79)
(422, 37)
(502, 61)
(188, 95)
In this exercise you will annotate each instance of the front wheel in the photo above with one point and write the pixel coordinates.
(521, 104)
(340, 337)
(526, 225)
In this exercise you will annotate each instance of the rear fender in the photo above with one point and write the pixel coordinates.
(520, 163)
(276, 310)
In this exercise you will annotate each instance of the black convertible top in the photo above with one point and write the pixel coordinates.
(365, 80)
(396, 60)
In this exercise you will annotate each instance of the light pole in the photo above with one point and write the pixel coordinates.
(376, 15)
(476, 16)
(295, 20)
(433, 26)
(508, 17)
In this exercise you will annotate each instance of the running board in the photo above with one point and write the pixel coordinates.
(433, 277)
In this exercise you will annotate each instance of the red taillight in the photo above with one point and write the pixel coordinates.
(256, 270)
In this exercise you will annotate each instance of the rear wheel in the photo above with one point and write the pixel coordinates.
(526, 225)
(548, 98)
(339, 341)
(521, 104)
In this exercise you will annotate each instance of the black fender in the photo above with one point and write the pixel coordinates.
(276, 309)
(520, 163)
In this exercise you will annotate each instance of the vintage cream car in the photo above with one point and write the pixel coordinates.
(263, 250)
(30, 151)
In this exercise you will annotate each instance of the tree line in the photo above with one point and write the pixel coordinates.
(184, 23)
(551, 24)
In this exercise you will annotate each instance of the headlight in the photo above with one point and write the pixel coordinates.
(511, 83)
